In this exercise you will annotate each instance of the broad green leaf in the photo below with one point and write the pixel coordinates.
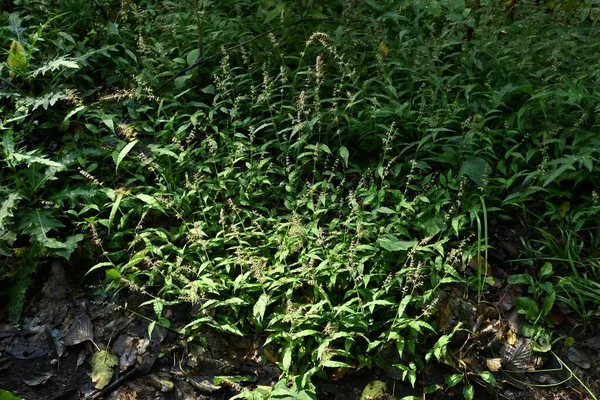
(392, 243)
(520, 279)
(123, 153)
(527, 306)
(102, 367)
(475, 168)
(193, 56)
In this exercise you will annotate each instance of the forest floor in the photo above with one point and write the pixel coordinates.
(64, 324)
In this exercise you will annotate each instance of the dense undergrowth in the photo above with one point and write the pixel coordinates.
(323, 174)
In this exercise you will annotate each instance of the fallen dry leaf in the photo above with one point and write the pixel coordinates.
(494, 364)
(102, 367)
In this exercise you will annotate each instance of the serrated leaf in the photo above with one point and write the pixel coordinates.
(38, 222)
(66, 248)
(7, 207)
(61, 62)
(102, 367)
(29, 159)
(14, 24)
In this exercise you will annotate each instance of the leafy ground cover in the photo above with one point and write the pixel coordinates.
(393, 184)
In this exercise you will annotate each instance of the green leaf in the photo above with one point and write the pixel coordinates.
(108, 121)
(488, 377)
(68, 246)
(274, 13)
(546, 271)
(123, 153)
(527, 306)
(113, 210)
(468, 392)
(286, 359)
(475, 168)
(392, 243)
(344, 154)
(61, 62)
(520, 279)
(335, 364)
(558, 172)
(5, 395)
(548, 303)
(38, 222)
(151, 201)
(193, 56)
(7, 208)
(454, 380)
(258, 311)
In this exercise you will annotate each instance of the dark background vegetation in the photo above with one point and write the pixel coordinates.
(322, 174)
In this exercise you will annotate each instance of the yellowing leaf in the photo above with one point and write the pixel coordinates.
(102, 367)
(17, 57)
(373, 390)
(383, 50)
(511, 338)
(494, 364)
(565, 206)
